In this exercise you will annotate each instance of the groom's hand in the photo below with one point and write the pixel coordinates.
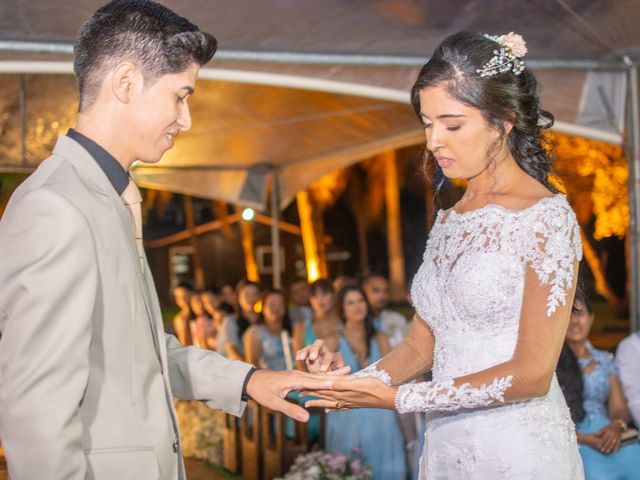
(319, 359)
(269, 388)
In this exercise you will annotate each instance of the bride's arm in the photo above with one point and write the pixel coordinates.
(410, 358)
(527, 374)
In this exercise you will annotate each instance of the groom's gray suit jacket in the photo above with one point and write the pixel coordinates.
(87, 373)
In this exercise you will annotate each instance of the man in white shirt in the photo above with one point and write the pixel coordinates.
(393, 324)
(628, 362)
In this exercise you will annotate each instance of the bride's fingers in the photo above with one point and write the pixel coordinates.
(340, 371)
(330, 360)
(311, 352)
(318, 349)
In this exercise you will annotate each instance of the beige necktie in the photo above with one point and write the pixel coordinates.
(132, 199)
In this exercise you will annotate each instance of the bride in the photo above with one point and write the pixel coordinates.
(494, 293)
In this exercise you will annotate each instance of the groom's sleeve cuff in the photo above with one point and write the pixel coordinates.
(245, 396)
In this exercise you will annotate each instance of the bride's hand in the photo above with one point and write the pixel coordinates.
(319, 359)
(353, 392)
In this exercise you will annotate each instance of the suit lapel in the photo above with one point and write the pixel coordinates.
(91, 172)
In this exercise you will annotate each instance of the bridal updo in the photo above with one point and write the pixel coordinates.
(500, 97)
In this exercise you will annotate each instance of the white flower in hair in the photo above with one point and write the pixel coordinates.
(515, 43)
(512, 47)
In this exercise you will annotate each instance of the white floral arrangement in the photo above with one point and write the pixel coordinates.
(320, 465)
(200, 430)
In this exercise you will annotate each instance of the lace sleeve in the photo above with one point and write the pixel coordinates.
(428, 397)
(551, 248)
(374, 371)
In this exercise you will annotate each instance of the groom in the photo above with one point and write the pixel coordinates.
(87, 374)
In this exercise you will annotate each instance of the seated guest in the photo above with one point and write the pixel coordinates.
(376, 433)
(203, 334)
(299, 294)
(393, 324)
(248, 295)
(267, 344)
(227, 340)
(229, 298)
(325, 323)
(628, 362)
(181, 321)
(605, 413)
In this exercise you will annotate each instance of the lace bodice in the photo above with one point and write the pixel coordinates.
(469, 288)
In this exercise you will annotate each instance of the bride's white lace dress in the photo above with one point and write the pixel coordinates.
(470, 289)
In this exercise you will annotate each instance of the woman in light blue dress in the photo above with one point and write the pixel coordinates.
(604, 413)
(375, 433)
(267, 344)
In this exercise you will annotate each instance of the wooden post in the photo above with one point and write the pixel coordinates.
(394, 227)
(246, 229)
(250, 440)
(231, 450)
(272, 433)
(309, 238)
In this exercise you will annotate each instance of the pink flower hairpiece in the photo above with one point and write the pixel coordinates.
(512, 47)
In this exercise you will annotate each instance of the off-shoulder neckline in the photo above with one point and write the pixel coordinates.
(451, 212)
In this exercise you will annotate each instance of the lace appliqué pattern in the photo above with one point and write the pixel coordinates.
(552, 251)
(373, 371)
(431, 397)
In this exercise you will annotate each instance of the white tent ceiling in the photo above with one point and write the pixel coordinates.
(308, 86)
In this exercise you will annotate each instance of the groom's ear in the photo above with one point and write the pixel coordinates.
(126, 81)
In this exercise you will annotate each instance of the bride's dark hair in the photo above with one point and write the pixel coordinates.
(504, 97)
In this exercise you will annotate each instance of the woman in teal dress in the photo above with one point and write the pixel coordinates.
(375, 433)
(599, 408)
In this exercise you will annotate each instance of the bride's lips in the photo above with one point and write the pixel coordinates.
(444, 162)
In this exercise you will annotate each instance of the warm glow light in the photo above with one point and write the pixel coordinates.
(248, 214)
(313, 273)
(595, 176)
(309, 240)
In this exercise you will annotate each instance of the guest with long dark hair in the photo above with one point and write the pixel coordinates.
(591, 384)
(375, 432)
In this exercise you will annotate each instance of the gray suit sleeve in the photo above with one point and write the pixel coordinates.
(198, 374)
(48, 279)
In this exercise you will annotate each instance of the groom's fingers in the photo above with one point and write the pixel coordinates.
(292, 410)
(323, 394)
(305, 381)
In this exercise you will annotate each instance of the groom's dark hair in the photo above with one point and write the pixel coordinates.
(145, 33)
